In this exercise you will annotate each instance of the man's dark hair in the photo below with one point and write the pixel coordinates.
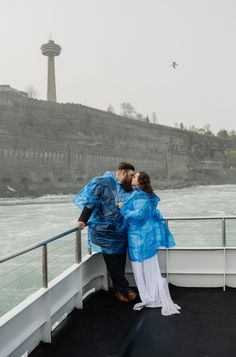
(125, 166)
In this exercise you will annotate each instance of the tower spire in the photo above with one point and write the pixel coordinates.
(51, 49)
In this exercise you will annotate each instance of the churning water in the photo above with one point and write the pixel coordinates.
(29, 220)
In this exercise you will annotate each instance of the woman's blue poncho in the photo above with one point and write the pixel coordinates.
(107, 231)
(147, 231)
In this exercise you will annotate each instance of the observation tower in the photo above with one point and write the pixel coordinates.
(51, 49)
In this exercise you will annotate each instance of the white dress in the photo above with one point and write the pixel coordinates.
(153, 288)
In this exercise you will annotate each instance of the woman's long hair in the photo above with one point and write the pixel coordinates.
(145, 183)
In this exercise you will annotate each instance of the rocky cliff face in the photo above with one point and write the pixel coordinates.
(55, 148)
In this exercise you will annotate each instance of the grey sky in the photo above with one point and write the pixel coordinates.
(115, 51)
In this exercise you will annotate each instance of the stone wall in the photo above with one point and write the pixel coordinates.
(51, 147)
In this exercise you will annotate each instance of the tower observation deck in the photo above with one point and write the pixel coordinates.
(51, 49)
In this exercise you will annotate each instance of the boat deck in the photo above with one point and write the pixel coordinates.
(106, 327)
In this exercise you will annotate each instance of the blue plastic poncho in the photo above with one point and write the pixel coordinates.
(107, 231)
(147, 231)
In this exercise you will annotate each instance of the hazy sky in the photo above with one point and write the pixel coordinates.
(116, 51)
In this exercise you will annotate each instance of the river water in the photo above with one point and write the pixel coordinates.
(29, 220)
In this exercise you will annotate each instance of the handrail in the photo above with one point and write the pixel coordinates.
(199, 218)
(222, 219)
(49, 240)
(37, 245)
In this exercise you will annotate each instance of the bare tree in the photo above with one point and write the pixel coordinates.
(193, 128)
(207, 128)
(31, 91)
(139, 116)
(154, 118)
(111, 109)
(127, 110)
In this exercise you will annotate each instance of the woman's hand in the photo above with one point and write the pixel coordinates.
(120, 204)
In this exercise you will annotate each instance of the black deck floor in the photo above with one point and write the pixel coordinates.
(106, 327)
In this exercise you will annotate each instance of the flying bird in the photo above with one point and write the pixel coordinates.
(10, 189)
(174, 64)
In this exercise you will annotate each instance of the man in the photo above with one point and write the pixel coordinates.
(107, 231)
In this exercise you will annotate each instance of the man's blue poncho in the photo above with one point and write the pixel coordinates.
(107, 231)
(147, 231)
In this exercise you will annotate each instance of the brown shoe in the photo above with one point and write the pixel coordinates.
(131, 295)
(121, 297)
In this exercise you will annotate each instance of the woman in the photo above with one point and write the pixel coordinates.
(147, 232)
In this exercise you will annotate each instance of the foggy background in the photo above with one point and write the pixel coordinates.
(121, 51)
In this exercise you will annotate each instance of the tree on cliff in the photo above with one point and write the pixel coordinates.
(223, 134)
(193, 128)
(127, 110)
(111, 109)
(31, 91)
(201, 131)
(207, 129)
(232, 133)
(139, 116)
(154, 118)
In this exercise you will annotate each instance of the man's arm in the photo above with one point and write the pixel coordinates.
(84, 217)
(92, 198)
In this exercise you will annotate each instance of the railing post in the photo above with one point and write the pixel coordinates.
(45, 265)
(223, 232)
(224, 245)
(224, 276)
(78, 254)
(167, 254)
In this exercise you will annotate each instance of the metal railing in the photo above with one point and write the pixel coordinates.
(206, 218)
(44, 245)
